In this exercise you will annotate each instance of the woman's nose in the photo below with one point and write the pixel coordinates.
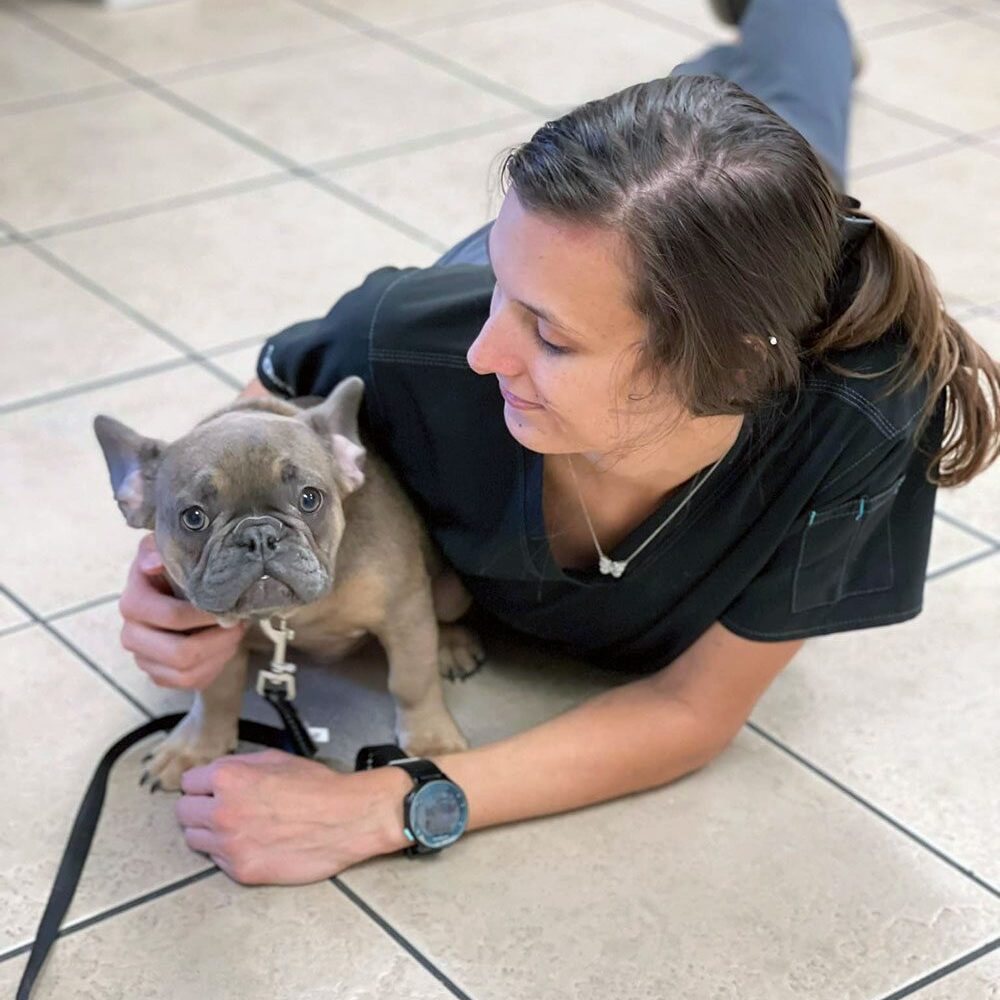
(494, 350)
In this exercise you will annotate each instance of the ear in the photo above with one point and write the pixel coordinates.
(336, 420)
(133, 461)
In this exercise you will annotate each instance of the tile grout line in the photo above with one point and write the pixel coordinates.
(915, 837)
(232, 132)
(459, 18)
(250, 60)
(37, 619)
(219, 67)
(113, 911)
(63, 98)
(436, 140)
(428, 56)
(374, 916)
(639, 10)
(945, 970)
(65, 613)
(914, 118)
(15, 628)
(150, 208)
(396, 936)
(87, 283)
(950, 568)
(129, 375)
(962, 141)
(912, 22)
(187, 880)
(82, 388)
(874, 167)
(970, 529)
(306, 172)
(75, 609)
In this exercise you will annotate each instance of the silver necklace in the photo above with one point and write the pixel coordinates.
(615, 567)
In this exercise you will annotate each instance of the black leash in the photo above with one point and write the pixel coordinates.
(294, 738)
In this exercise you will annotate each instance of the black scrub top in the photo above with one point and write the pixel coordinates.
(817, 520)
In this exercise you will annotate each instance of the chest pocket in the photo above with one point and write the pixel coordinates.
(846, 550)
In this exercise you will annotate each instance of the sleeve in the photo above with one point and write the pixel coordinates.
(857, 556)
(311, 357)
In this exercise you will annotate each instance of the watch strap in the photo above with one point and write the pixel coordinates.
(378, 755)
(419, 769)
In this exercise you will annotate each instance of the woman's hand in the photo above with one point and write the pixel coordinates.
(175, 643)
(272, 818)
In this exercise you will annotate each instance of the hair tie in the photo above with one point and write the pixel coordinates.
(854, 229)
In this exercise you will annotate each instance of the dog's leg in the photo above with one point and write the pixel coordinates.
(460, 653)
(451, 599)
(424, 726)
(208, 731)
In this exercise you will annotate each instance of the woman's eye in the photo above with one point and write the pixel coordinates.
(194, 519)
(310, 500)
(547, 345)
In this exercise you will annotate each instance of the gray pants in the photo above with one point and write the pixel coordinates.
(795, 55)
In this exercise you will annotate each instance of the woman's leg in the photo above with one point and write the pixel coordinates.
(795, 55)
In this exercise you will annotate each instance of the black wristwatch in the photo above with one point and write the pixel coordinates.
(435, 810)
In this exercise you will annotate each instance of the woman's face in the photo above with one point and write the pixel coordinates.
(559, 324)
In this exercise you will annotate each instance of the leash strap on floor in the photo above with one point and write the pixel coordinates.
(293, 739)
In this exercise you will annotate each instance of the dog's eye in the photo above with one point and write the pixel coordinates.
(310, 500)
(194, 518)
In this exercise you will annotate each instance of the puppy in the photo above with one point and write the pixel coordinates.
(266, 508)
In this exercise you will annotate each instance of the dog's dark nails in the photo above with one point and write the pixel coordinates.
(144, 778)
(148, 756)
(155, 786)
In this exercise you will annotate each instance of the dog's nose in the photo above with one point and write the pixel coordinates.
(260, 535)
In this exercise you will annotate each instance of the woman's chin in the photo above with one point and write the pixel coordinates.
(523, 427)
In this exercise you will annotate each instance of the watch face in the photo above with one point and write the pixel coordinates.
(438, 813)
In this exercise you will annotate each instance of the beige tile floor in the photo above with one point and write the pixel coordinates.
(156, 224)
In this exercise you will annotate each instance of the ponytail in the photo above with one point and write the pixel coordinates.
(896, 288)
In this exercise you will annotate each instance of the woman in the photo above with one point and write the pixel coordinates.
(723, 400)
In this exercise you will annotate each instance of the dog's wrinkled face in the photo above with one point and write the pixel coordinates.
(247, 507)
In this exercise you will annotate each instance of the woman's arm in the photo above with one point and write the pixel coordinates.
(254, 388)
(640, 735)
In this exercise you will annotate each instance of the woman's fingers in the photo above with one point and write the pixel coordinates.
(207, 842)
(179, 660)
(147, 598)
(181, 680)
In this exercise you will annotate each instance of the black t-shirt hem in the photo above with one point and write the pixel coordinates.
(830, 628)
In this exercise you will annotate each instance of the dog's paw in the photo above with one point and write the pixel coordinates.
(181, 750)
(432, 744)
(460, 653)
(438, 736)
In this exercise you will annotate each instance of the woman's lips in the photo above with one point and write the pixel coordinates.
(518, 403)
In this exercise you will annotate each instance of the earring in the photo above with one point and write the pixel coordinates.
(773, 339)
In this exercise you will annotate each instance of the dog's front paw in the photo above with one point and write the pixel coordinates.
(425, 739)
(186, 747)
(432, 744)
(460, 653)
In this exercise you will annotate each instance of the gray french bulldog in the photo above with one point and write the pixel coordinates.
(272, 507)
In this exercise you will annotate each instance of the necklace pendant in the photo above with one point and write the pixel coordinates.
(611, 567)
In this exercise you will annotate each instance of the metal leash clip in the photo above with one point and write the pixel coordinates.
(281, 676)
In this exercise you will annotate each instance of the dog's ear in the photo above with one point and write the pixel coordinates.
(336, 420)
(133, 461)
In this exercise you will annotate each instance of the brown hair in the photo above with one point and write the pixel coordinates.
(736, 233)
